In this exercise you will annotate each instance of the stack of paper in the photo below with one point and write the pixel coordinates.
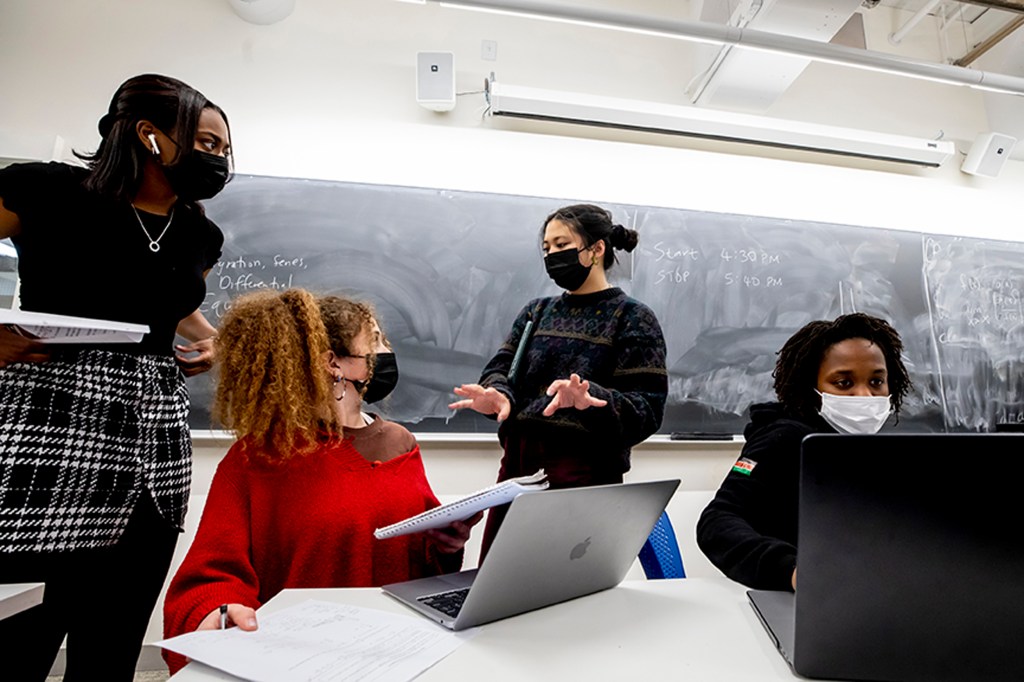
(48, 328)
(319, 641)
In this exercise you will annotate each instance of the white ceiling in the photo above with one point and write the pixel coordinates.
(973, 24)
(966, 24)
(948, 32)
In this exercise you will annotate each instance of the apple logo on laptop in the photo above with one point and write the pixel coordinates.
(579, 550)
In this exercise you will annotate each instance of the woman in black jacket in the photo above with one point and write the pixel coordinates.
(845, 375)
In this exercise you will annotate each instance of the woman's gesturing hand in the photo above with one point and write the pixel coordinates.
(571, 392)
(482, 400)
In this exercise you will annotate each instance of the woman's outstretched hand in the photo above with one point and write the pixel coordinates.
(571, 392)
(482, 400)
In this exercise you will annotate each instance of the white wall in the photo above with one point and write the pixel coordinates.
(329, 93)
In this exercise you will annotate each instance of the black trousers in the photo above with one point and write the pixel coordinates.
(101, 599)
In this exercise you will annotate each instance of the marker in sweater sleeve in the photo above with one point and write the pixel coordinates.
(223, 616)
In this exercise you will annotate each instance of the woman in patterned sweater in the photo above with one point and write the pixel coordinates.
(591, 381)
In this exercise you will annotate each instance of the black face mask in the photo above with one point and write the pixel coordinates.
(384, 379)
(564, 267)
(200, 175)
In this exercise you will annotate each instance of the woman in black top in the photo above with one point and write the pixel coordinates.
(841, 375)
(591, 382)
(95, 452)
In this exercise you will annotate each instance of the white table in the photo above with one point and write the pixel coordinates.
(16, 597)
(690, 629)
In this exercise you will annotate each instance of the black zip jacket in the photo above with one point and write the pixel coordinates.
(749, 530)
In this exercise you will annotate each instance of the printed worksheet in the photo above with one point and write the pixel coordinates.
(49, 328)
(319, 641)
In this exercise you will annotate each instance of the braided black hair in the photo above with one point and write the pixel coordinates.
(796, 370)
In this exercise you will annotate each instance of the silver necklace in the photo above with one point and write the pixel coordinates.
(154, 244)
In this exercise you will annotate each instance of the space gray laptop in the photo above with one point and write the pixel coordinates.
(911, 563)
(554, 545)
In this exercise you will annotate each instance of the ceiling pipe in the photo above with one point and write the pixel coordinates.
(760, 40)
(896, 37)
(700, 83)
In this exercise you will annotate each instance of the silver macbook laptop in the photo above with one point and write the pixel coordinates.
(910, 560)
(554, 545)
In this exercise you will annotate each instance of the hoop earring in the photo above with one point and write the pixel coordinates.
(344, 389)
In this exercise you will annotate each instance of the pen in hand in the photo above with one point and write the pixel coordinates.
(231, 614)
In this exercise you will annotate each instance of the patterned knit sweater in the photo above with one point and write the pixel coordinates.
(302, 523)
(606, 337)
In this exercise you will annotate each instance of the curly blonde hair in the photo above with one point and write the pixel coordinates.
(273, 389)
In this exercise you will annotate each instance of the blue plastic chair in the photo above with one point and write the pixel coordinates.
(660, 556)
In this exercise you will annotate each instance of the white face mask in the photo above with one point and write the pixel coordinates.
(855, 413)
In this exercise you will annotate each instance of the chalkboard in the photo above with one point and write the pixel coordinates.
(449, 270)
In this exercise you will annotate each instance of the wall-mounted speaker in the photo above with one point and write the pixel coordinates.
(988, 154)
(435, 80)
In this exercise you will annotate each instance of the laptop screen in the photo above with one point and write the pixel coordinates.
(911, 560)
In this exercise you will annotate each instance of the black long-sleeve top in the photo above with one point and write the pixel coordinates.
(749, 530)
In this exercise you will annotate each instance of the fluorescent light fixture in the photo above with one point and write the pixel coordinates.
(750, 38)
(613, 112)
(457, 4)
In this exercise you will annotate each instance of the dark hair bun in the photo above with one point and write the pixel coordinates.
(106, 124)
(623, 238)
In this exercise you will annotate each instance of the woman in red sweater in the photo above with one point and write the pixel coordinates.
(295, 501)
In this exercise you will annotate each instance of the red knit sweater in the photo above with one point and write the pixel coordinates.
(302, 523)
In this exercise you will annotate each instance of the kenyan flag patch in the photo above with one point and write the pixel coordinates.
(744, 466)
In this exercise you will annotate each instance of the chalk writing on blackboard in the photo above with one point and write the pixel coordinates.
(448, 271)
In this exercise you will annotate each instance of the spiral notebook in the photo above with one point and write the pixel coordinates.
(465, 507)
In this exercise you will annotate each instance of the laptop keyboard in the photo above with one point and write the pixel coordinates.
(448, 603)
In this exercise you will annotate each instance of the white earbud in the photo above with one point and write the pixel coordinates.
(152, 140)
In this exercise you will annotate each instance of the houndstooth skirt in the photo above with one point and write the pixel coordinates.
(82, 436)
